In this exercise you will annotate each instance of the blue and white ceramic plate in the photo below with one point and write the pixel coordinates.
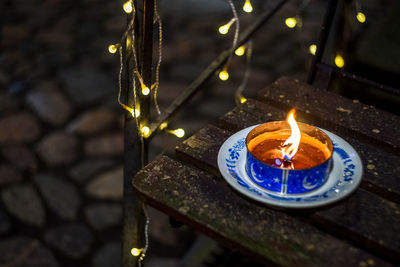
(343, 179)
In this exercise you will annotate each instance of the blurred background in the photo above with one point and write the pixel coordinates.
(61, 139)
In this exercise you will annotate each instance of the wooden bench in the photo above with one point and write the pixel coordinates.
(362, 230)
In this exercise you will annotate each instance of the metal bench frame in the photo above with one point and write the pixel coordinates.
(320, 75)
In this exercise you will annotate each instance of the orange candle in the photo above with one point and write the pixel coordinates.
(289, 144)
(288, 157)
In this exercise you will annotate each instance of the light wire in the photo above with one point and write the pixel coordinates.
(249, 52)
(157, 83)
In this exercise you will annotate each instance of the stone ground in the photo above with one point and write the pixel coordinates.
(61, 141)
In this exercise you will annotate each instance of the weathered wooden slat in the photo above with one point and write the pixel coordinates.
(367, 219)
(250, 113)
(381, 168)
(199, 200)
(201, 150)
(364, 121)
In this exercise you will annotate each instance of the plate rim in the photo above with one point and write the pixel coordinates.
(273, 202)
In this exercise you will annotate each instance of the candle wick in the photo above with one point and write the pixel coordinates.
(287, 163)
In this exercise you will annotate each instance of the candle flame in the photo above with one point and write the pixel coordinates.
(291, 145)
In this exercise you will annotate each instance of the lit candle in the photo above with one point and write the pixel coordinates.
(278, 151)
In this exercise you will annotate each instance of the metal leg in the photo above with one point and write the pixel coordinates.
(323, 38)
(135, 152)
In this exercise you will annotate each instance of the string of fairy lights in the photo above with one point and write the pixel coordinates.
(296, 22)
(246, 49)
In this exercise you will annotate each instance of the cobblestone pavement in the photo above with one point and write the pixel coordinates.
(61, 140)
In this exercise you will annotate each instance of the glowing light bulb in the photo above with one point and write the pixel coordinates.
(163, 125)
(313, 49)
(128, 42)
(127, 6)
(145, 90)
(239, 98)
(240, 51)
(224, 75)
(136, 252)
(145, 131)
(291, 22)
(225, 28)
(112, 48)
(179, 132)
(247, 7)
(361, 17)
(339, 61)
(135, 112)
